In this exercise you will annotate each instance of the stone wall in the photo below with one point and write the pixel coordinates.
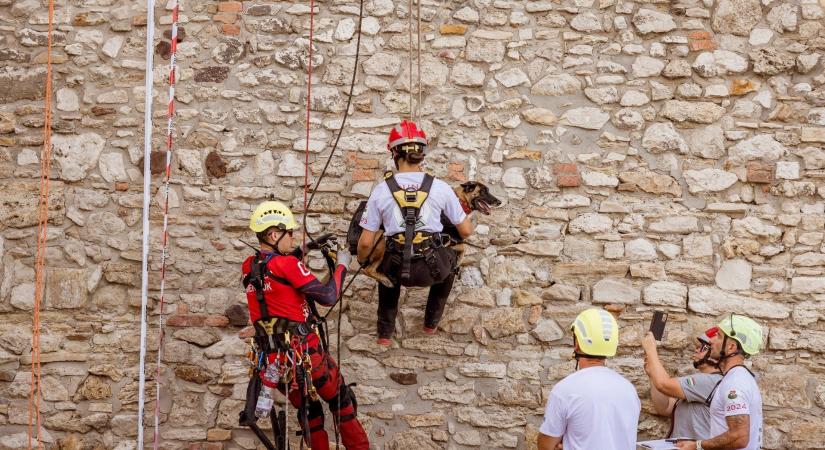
(651, 155)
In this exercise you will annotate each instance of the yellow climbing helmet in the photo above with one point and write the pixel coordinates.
(744, 330)
(597, 332)
(271, 214)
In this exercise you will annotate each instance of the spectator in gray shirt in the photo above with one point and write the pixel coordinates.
(683, 398)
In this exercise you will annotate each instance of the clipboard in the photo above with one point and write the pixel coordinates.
(658, 444)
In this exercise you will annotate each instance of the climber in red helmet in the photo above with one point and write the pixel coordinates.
(408, 205)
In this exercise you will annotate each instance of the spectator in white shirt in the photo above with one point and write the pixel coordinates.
(593, 408)
(736, 403)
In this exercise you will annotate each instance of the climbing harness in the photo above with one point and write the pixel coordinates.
(410, 201)
(281, 351)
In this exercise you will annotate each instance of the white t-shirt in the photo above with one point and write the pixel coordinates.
(593, 409)
(382, 208)
(737, 394)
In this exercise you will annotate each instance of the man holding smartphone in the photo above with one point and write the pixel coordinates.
(683, 398)
(736, 403)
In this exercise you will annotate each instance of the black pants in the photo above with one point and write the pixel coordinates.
(388, 305)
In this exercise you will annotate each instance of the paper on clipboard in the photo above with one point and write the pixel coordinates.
(659, 444)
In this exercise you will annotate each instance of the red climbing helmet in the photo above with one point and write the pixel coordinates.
(406, 132)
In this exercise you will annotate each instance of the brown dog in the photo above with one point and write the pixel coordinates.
(473, 195)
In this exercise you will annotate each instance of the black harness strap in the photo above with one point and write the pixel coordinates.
(709, 398)
(267, 325)
(255, 277)
(410, 202)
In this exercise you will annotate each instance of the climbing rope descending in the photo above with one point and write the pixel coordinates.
(309, 107)
(147, 185)
(35, 393)
(346, 112)
(418, 49)
(164, 253)
(410, 58)
(308, 202)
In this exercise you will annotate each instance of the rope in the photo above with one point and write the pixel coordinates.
(164, 253)
(340, 303)
(308, 202)
(147, 185)
(409, 29)
(309, 105)
(346, 113)
(35, 393)
(418, 48)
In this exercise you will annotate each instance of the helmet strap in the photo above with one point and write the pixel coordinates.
(578, 355)
(706, 359)
(276, 244)
(723, 355)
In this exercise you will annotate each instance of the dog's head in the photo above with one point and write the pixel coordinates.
(477, 196)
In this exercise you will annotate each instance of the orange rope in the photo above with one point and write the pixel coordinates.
(35, 393)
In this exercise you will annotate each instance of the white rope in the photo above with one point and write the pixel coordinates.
(147, 185)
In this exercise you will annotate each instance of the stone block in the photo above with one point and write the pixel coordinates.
(21, 84)
(666, 293)
(19, 203)
(502, 322)
(615, 290)
(446, 391)
(66, 288)
(761, 173)
(709, 300)
(734, 275)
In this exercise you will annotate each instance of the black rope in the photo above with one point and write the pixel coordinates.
(312, 197)
(343, 121)
(340, 303)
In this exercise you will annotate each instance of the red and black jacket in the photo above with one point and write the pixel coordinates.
(287, 287)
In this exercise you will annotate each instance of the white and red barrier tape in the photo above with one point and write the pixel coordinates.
(169, 130)
(146, 202)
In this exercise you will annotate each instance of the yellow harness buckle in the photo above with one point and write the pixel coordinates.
(407, 200)
(419, 238)
(268, 325)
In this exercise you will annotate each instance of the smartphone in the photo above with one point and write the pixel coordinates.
(657, 325)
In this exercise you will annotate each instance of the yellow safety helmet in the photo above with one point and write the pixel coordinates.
(597, 332)
(271, 214)
(744, 330)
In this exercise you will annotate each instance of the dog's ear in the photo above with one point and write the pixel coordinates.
(469, 186)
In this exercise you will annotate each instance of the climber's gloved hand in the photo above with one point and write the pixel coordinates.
(344, 257)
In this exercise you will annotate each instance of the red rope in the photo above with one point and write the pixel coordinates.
(309, 105)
